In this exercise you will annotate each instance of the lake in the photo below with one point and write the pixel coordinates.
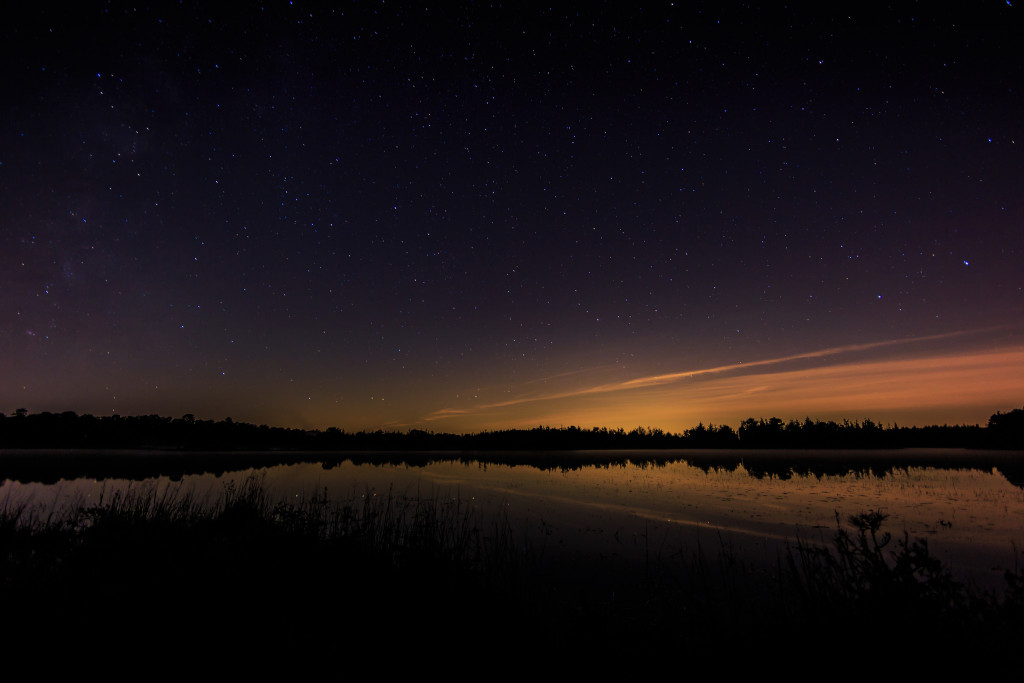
(618, 512)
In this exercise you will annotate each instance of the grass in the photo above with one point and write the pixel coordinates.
(157, 570)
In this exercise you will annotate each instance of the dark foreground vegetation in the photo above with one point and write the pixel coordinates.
(419, 583)
(70, 430)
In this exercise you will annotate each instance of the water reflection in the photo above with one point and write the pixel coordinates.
(51, 466)
(625, 516)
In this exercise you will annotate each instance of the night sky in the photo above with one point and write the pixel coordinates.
(478, 216)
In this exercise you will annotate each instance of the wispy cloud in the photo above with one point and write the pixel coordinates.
(649, 381)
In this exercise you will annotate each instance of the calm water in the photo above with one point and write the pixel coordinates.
(621, 515)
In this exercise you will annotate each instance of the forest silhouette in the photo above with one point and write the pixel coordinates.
(46, 447)
(70, 430)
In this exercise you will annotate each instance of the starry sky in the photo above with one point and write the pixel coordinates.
(468, 216)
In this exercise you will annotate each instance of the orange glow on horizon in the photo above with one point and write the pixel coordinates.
(963, 387)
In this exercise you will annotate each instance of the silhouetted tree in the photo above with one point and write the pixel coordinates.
(1006, 430)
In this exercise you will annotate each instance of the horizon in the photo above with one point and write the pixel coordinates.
(647, 428)
(489, 217)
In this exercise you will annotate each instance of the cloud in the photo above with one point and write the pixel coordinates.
(924, 379)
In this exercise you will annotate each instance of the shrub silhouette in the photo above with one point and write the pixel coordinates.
(865, 573)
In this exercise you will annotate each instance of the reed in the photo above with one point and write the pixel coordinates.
(324, 576)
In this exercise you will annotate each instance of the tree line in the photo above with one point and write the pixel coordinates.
(70, 430)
